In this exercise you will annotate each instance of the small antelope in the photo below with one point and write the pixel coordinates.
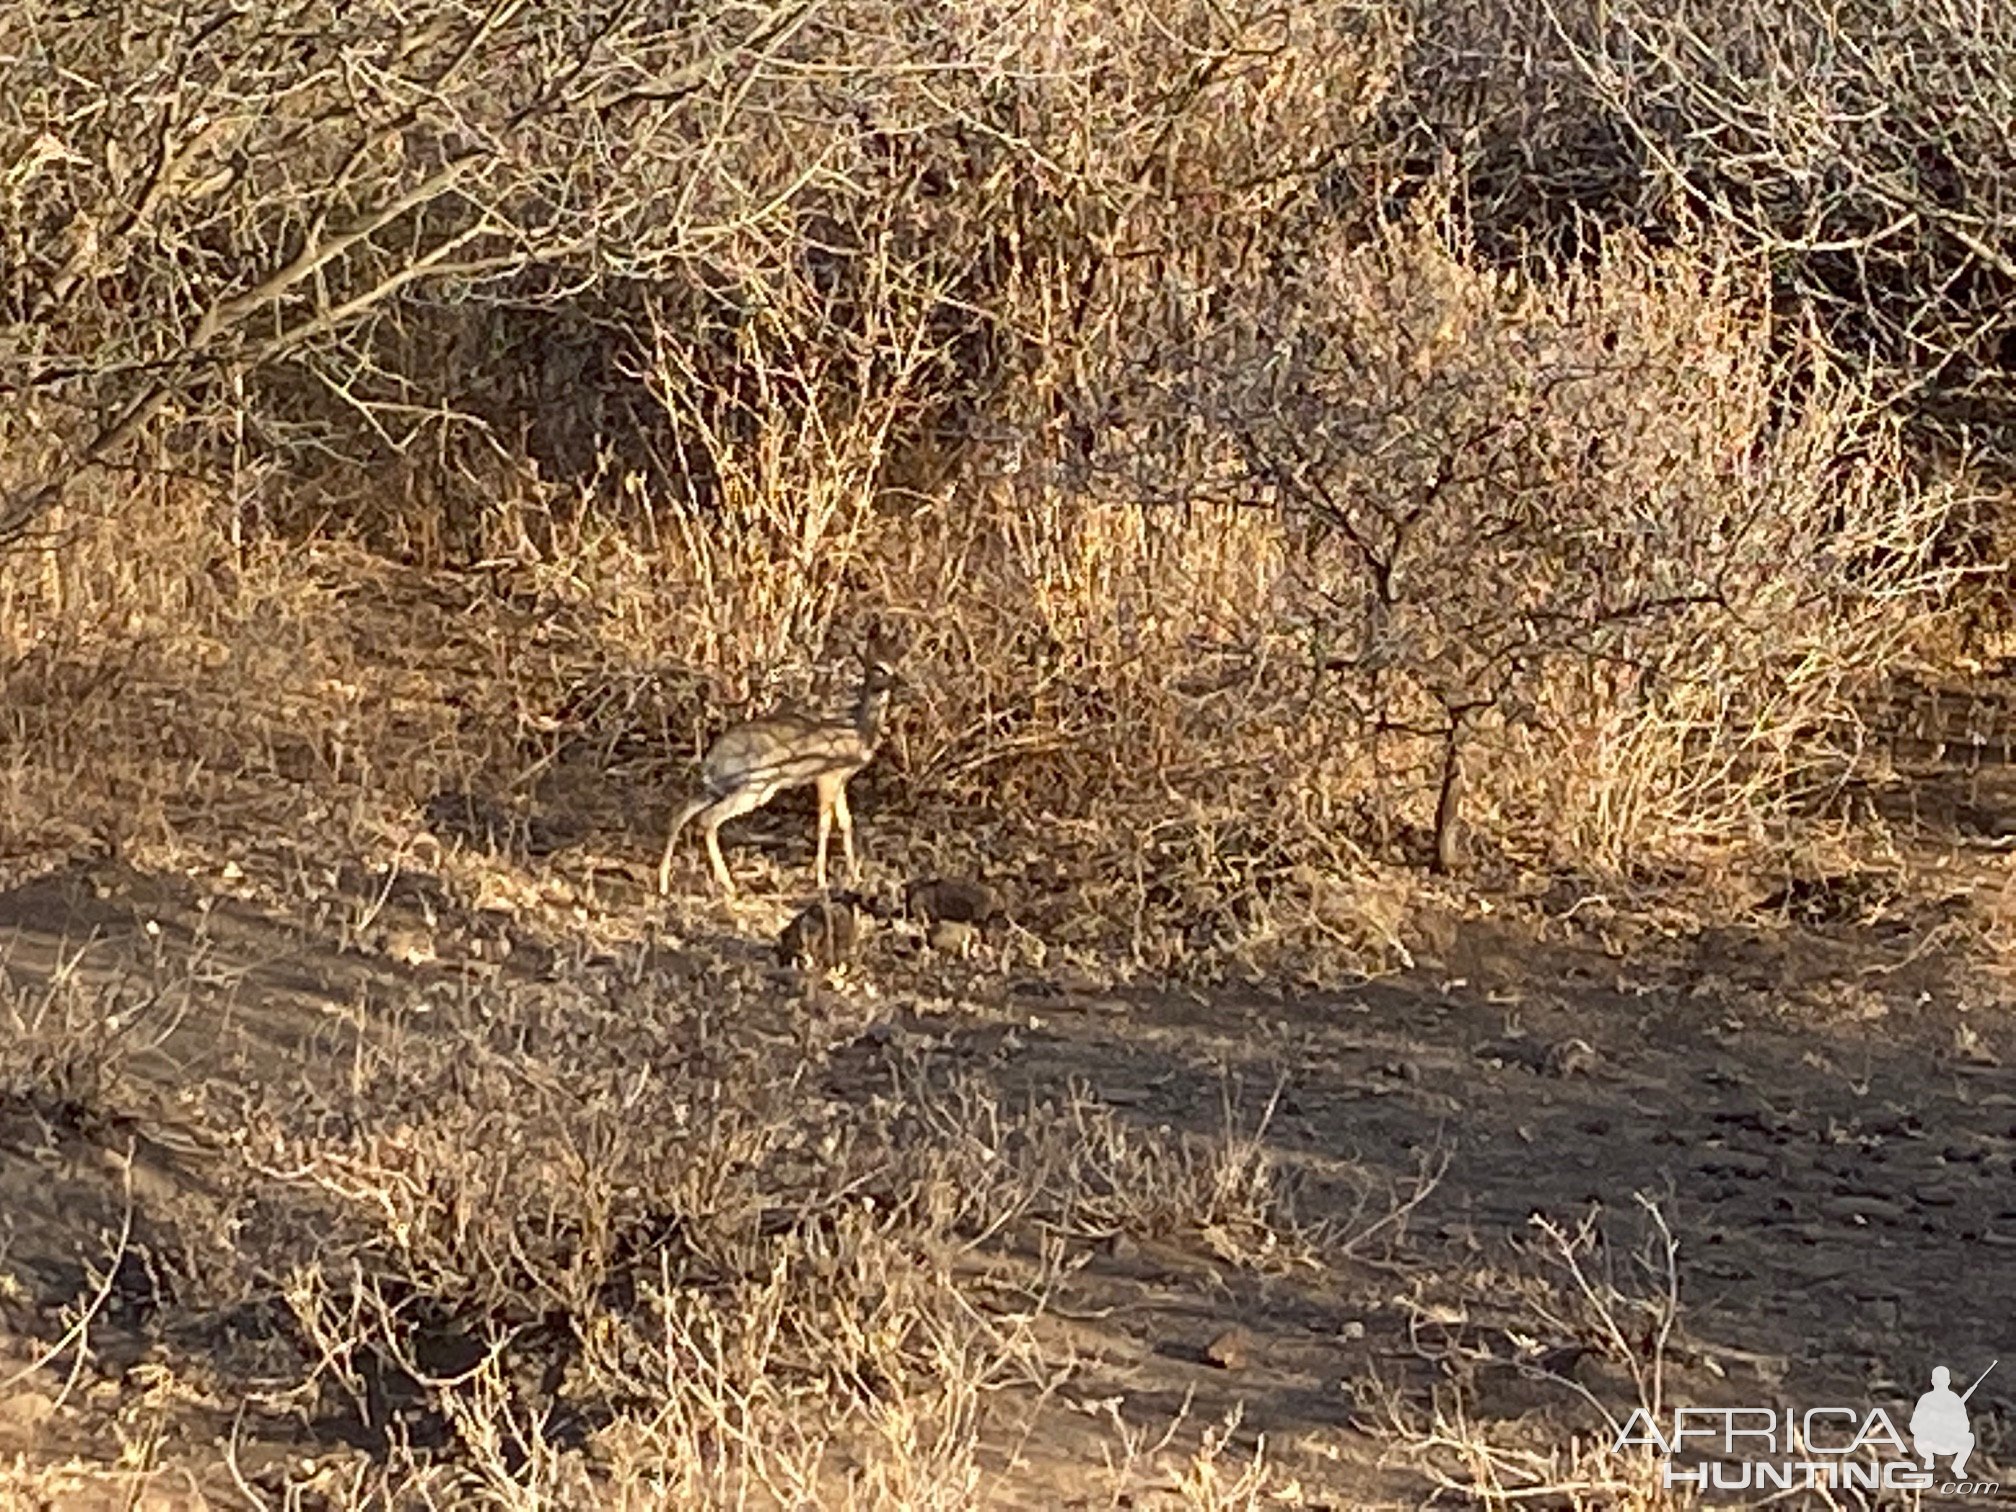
(749, 764)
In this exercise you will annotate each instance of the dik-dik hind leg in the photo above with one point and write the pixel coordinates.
(685, 816)
(714, 815)
(719, 862)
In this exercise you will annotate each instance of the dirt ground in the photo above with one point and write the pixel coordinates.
(1817, 1099)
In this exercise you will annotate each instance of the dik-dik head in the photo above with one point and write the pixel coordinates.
(882, 653)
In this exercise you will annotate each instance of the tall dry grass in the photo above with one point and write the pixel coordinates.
(1652, 587)
(1256, 528)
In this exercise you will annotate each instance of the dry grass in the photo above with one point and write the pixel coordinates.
(1622, 1313)
(1179, 724)
(418, 479)
(1257, 531)
(595, 1245)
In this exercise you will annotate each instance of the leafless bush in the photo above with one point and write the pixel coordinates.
(1535, 509)
(1862, 145)
(1861, 148)
(213, 219)
(73, 1030)
(550, 1262)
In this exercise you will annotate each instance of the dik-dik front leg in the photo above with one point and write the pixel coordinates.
(832, 791)
(846, 818)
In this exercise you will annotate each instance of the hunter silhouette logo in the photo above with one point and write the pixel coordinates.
(1939, 1422)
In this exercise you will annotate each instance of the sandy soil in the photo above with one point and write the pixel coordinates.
(1819, 1099)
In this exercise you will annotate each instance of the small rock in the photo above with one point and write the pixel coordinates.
(1904, 1126)
(1863, 1209)
(30, 1409)
(822, 938)
(409, 946)
(1123, 1096)
(952, 937)
(953, 900)
(1564, 1360)
(1230, 1349)
(1570, 1057)
(1742, 1163)
(1975, 1051)
(1035, 987)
